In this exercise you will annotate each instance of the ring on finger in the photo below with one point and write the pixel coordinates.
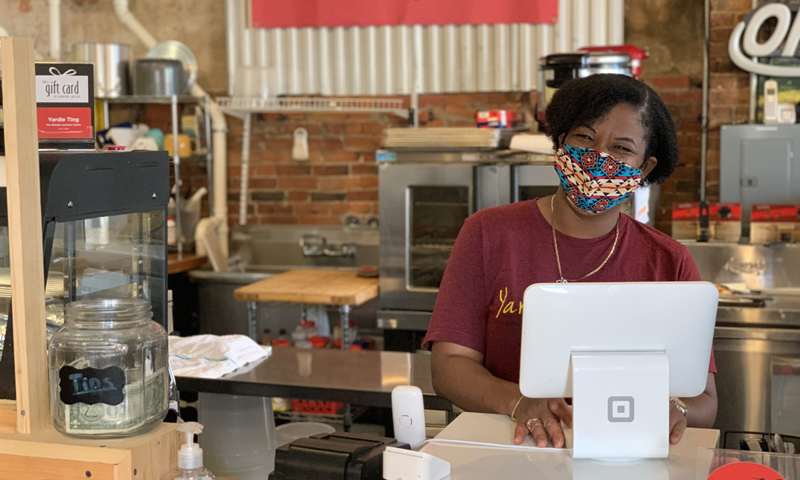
(530, 421)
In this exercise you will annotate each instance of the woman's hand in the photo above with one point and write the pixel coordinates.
(548, 414)
(677, 424)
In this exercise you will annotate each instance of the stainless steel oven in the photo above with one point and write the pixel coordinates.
(425, 197)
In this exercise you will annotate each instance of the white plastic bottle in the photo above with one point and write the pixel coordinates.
(190, 456)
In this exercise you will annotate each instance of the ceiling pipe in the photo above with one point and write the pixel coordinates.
(218, 221)
(55, 30)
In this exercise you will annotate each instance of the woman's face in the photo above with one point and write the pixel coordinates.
(620, 133)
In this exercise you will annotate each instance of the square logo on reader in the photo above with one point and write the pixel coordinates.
(620, 409)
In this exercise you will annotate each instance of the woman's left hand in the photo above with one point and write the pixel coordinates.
(677, 424)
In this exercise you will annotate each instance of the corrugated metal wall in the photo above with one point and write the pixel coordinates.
(449, 58)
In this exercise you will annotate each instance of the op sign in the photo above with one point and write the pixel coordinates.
(743, 43)
(65, 105)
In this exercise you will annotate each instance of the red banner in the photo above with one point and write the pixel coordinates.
(362, 13)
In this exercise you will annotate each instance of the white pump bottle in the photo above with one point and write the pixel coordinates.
(190, 456)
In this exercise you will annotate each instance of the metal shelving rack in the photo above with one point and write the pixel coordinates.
(245, 107)
(173, 101)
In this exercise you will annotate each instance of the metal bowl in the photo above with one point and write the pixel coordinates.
(158, 77)
(174, 50)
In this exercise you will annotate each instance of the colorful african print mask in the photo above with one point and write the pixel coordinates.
(595, 181)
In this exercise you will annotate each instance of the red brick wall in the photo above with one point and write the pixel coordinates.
(728, 101)
(683, 98)
(729, 96)
(341, 175)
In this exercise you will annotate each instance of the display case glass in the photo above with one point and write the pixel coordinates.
(104, 237)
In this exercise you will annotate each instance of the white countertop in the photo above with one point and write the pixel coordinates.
(473, 463)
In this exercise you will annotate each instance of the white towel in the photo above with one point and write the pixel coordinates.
(212, 356)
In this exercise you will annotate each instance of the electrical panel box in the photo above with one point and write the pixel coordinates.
(759, 164)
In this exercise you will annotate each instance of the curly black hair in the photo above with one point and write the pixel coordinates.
(586, 100)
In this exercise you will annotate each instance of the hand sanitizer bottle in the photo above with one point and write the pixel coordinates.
(190, 456)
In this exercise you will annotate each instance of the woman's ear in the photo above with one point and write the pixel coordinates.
(648, 166)
(561, 139)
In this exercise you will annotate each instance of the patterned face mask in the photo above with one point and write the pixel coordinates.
(595, 181)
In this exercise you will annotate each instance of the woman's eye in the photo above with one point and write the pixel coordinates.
(623, 149)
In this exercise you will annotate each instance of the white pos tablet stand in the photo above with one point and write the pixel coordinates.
(620, 350)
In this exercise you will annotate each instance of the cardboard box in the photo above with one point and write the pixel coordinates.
(775, 224)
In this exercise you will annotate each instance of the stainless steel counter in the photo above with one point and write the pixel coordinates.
(359, 378)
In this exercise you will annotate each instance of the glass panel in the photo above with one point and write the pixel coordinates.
(437, 214)
(5, 287)
(121, 256)
(785, 392)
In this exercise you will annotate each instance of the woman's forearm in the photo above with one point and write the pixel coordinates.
(702, 411)
(469, 385)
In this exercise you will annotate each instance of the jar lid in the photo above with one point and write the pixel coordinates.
(110, 310)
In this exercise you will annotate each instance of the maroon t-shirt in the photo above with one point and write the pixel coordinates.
(501, 251)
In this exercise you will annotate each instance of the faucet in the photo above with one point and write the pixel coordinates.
(318, 246)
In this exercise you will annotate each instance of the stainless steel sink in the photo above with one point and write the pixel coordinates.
(266, 249)
(263, 251)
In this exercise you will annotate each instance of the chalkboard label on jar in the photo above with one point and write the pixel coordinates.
(91, 385)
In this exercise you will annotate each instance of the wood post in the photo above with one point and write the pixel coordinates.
(25, 234)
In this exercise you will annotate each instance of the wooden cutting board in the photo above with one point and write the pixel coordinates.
(324, 287)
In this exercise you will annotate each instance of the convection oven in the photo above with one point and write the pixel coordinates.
(425, 197)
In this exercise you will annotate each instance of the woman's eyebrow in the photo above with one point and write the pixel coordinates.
(626, 139)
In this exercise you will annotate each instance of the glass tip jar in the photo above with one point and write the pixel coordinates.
(108, 369)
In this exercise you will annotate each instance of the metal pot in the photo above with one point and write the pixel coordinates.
(556, 69)
(112, 67)
(158, 77)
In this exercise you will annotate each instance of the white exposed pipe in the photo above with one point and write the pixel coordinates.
(219, 134)
(133, 24)
(55, 29)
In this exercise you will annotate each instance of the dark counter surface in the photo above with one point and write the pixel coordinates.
(360, 378)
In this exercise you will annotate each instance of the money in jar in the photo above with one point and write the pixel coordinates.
(108, 370)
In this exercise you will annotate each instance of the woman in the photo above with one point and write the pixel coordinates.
(608, 130)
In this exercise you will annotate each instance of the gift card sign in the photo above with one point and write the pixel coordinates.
(65, 105)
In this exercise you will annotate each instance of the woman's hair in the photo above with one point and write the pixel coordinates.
(586, 100)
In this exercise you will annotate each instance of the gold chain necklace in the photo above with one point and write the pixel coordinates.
(555, 244)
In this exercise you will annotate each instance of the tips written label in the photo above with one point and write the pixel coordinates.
(91, 385)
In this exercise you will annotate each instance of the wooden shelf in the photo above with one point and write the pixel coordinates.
(188, 261)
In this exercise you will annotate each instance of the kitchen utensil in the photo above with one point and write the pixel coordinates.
(184, 145)
(157, 135)
(637, 55)
(112, 67)
(556, 69)
(174, 50)
(159, 77)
